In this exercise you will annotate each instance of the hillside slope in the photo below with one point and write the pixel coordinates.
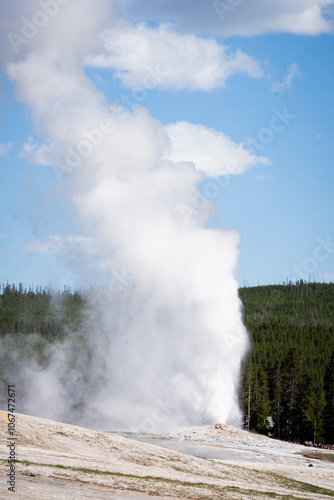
(63, 461)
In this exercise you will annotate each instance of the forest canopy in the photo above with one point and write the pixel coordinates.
(287, 383)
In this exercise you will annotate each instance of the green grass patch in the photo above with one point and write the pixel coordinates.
(279, 480)
(300, 485)
(318, 455)
(267, 494)
(286, 482)
(125, 476)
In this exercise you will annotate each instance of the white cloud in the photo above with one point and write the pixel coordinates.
(31, 25)
(62, 245)
(211, 151)
(244, 17)
(160, 57)
(5, 147)
(34, 153)
(286, 83)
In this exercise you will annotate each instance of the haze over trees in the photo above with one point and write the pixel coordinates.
(287, 384)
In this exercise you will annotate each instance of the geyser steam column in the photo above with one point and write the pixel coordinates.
(178, 342)
(168, 349)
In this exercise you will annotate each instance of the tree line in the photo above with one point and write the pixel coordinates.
(39, 310)
(287, 382)
(287, 385)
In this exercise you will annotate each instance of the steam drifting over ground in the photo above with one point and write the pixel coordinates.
(162, 344)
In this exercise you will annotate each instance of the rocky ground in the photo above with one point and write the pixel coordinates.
(62, 461)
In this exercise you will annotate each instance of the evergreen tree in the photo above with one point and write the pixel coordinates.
(275, 387)
(290, 388)
(329, 395)
(260, 403)
(314, 424)
(291, 329)
(246, 391)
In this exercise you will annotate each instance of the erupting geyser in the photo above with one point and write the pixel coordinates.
(166, 337)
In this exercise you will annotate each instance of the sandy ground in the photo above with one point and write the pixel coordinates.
(63, 461)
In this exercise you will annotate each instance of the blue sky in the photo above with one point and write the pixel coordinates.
(283, 211)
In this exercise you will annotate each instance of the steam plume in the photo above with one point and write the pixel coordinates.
(164, 340)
